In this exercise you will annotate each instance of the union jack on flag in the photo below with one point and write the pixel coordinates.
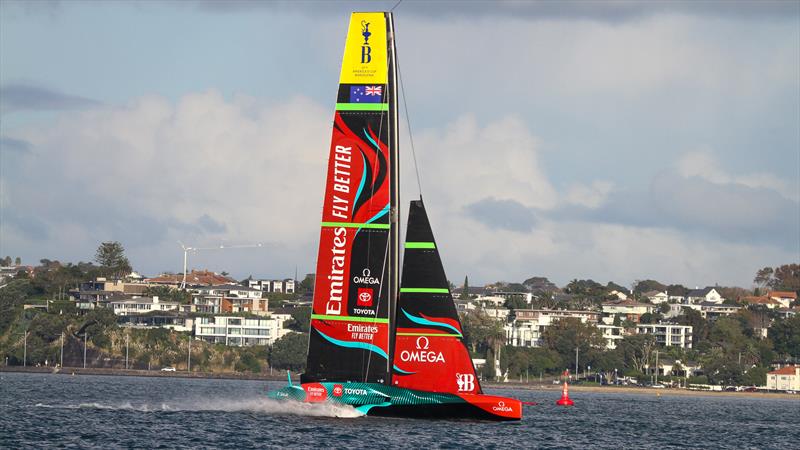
(374, 90)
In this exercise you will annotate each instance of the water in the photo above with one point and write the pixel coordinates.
(40, 411)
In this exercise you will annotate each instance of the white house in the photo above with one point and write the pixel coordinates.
(240, 331)
(632, 310)
(612, 334)
(141, 305)
(530, 324)
(785, 379)
(668, 335)
(784, 298)
(656, 297)
(707, 294)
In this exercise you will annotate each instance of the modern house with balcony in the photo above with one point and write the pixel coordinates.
(668, 335)
(240, 331)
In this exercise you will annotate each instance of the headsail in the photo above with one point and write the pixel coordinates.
(349, 338)
(429, 353)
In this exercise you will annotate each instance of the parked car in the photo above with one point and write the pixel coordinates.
(168, 369)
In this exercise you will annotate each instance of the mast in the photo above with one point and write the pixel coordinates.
(394, 192)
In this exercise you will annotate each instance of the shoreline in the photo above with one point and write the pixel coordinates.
(643, 391)
(282, 377)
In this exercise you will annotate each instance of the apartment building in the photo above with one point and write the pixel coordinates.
(240, 331)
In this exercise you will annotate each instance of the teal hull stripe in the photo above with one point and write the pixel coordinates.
(358, 345)
(364, 409)
(425, 290)
(424, 321)
(420, 245)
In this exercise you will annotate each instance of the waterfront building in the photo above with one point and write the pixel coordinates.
(241, 331)
(172, 320)
(228, 298)
(141, 305)
(784, 379)
(712, 311)
(529, 325)
(668, 335)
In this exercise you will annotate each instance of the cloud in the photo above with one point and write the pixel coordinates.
(504, 214)
(201, 170)
(599, 10)
(591, 196)
(20, 97)
(10, 145)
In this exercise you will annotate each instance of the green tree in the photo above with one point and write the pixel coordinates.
(785, 334)
(301, 319)
(465, 291)
(699, 325)
(168, 293)
(636, 350)
(481, 332)
(112, 259)
(567, 334)
(643, 286)
(289, 352)
(307, 285)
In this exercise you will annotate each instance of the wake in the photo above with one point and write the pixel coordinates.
(257, 405)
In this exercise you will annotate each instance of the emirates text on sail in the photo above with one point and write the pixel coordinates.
(336, 278)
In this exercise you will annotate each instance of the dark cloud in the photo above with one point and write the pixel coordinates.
(503, 214)
(599, 10)
(732, 212)
(11, 145)
(21, 97)
(207, 223)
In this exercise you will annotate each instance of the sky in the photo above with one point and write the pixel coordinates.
(605, 140)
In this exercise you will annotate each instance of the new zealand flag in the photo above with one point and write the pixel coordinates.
(366, 94)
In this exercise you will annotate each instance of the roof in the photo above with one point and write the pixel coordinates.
(198, 277)
(783, 294)
(654, 293)
(788, 370)
(700, 292)
(764, 300)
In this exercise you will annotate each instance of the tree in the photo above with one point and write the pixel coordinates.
(636, 350)
(301, 319)
(698, 323)
(465, 291)
(649, 285)
(763, 277)
(787, 278)
(785, 334)
(289, 352)
(111, 257)
(567, 334)
(307, 285)
(481, 332)
(169, 294)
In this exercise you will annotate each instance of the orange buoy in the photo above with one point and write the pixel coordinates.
(565, 400)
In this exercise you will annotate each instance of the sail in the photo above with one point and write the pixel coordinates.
(429, 352)
(349, 338)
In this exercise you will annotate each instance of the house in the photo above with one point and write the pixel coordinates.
(529, 325)
(619, 294)
(707, 294)
(656, 297)
(228, 298)
(630, 309)
(241, 331)
(784, 379)
(712, 311)
(490, 300)
(172, 320)
(785, 298)
(286, 286)
(612, 334)
(667, 334)
(761, 300)
(141, 305)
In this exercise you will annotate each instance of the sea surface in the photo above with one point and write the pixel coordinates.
(45, 411)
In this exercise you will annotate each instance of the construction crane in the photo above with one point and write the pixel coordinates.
(186, 251)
